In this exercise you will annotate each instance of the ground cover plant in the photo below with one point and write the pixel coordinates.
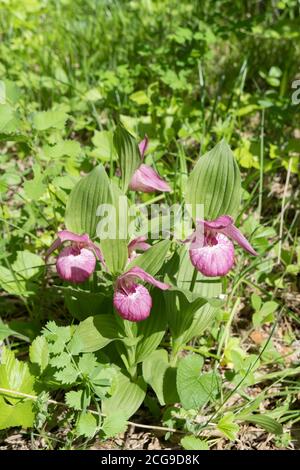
(149, 261)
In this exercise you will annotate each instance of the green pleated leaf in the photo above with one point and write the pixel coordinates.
(152, 330)
(189, 314)
(215, 182)
(128, 153)
(153, 259)
(127, 396)
(115, 250)
(91, 191)
(266, 422)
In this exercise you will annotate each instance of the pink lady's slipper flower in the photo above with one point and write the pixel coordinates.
(211, 251)
(138, 243)
(131, 300)
(145, 179)
(76, 262)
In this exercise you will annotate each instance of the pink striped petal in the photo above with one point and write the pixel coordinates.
(221, 222)
(214, 260)
(66, 236)
(138, 243)
(135, 305)
(143, 145)
(233, 232)
(139, 273)
(146, 180)
(75, 264)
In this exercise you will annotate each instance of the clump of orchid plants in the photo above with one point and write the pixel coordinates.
(144, 287)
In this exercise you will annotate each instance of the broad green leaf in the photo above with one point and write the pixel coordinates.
(113, 425)
(153, 259)
(195, 389)
(103, 141)
(127, 396)
(17, 280)
(9, 92)
(158, 373)
(154, 368)
(128, 152)
(265, 314)
(35, 188)
(193, 443)
(215, 182)
(15, 376)
(115, 250)
(70, 148)
(39, 352)
(91, 191)
(83, 303)
(152, 330)
(9, 122)
(228, 426)
(266, 422)
(5, 331)
(27, 264)
(87, 425)
(53, 119)
(140, 97)
(94, 333)
(187, 318)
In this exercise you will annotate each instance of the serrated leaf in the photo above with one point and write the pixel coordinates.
(127, 396)
(87, 425)
(39, 352)
(87, 362)
(81, 210)
(53, 119)
(193, 443)
(74, 400)
(195, 388)
(228, 426)
(113, 425)
(128, 154)
(215, 182)
(67, 375)
(60, 361)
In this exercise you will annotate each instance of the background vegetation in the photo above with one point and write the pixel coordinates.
(187, 74)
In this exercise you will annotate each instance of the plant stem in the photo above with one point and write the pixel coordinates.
(193, 281)
(261, 163)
